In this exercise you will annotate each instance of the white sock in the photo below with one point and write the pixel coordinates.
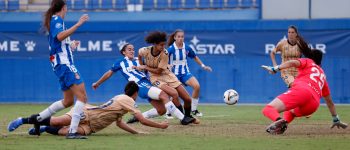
(77, 113)
(51, 110)
(194, 103)
(167, 112)
(173, 110)
(150, 113)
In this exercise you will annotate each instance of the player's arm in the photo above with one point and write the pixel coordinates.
(285, 65)
(125, 126)
(273, 54)
(64, 34)
(273, 58)
(336, 121)
(105, 77)
(198, 61)
(150, 123)
(150, 69)
(140, 59)
(330, 105)
(162, 65)
(154, 70)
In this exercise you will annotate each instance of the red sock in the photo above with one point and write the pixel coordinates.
(288, 116)
(271, 112)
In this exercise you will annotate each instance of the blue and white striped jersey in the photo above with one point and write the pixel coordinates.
(125, 66)
(178, 58)
(60, 52)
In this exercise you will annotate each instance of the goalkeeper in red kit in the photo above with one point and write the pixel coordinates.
(303, 98)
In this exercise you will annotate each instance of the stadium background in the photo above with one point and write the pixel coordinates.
(232, 36)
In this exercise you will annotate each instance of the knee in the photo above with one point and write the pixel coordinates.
(164, 97)
(266, 109)
(196, 87)
(174, 94)
(161, 111)
(83, 98)
(68, 102)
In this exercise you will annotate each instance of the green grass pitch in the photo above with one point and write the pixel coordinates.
(222, 127)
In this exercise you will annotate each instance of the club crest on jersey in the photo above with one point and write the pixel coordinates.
(58, 25)
(52, 57)
(77, 76)
(157, 83)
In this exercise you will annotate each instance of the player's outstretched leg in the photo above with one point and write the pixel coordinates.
(13, 125)
(277, 127)
(32, 131)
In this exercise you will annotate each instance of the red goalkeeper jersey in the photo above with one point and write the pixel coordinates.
(313, 76)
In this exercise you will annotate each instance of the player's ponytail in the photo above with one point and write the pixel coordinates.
(171, 39)
(316, 56)
(55, 6)
(302, 44)
(304, 47)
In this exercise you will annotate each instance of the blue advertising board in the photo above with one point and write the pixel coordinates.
(235, 57)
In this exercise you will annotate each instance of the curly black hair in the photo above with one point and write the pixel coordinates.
(156, 37)
(130, 88)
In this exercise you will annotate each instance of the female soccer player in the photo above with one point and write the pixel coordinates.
(62, 62)
(303, 98)
(99, 117)
(178, 54)
(156, 60)
(290, 50)
(155, 96)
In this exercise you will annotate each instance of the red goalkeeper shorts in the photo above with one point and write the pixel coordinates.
(300, 99)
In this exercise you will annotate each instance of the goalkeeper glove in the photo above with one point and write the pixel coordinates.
(270, 69)
(338, 123)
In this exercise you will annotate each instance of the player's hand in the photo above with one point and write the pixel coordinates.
(83, 19)
(74, 44)
(337, 123)
(140, 68)
(164, 124)
(207, 68)
(270, 69)
(142, 132)
(95, 85)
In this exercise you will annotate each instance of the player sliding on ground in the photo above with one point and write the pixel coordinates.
(303, 98)
(95, 118)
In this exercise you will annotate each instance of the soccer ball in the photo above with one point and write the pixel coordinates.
(231, 97)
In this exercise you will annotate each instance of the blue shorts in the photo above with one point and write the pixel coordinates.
(184, 77)
(67, 76)
(144, 87)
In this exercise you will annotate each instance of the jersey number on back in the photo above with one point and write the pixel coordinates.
(317, 77)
